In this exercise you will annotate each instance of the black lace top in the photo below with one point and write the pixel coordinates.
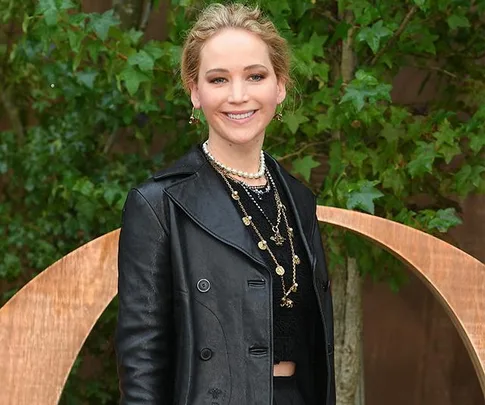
(290, 325)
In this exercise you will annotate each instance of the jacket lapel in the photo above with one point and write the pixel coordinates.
(205, 198)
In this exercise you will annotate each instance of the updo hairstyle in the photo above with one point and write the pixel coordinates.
(217, 17)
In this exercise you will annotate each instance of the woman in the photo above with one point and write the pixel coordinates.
(223, 290)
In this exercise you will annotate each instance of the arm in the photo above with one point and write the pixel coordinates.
(143, 339)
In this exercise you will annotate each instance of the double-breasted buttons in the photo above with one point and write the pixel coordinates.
(203, 285)
(205, 354)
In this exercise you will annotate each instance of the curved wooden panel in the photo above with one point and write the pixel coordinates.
(43, 327)
(455, 278)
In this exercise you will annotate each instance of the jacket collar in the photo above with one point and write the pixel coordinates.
(203, 196)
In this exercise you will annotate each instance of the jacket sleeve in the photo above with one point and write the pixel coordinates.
(143, 336)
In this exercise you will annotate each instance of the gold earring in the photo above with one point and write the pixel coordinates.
(278, 116)
(193, 120)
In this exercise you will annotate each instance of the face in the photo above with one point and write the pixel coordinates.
(237, 88)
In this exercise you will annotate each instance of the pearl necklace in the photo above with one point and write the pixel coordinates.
(240, 173)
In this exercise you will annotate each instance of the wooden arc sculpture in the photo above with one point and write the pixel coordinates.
(44, 326)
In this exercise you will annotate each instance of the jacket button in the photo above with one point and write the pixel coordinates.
(329, 349)
(203, 285)
(205, 354)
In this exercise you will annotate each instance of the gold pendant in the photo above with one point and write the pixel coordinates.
(294, 288)
(280, 271)
(286, 302)
(235, 195)
(247, 220)
(262, 244)
(278, 239)
(296, 259)
(290, 232)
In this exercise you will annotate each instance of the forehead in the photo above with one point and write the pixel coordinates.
(234, 48)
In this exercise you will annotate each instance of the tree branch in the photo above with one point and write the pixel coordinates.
(300, 150)
(396, 35)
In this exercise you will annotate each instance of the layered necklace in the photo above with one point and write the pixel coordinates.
(247, 220)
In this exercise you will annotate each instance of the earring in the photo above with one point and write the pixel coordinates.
(193, 120)
(278, 116)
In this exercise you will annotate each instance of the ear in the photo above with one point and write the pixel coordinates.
(194, 95)
(281, 91)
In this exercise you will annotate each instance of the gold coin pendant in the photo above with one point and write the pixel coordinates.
(262, 244)
(280, 271)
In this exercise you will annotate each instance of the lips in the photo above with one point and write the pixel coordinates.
(240, 116)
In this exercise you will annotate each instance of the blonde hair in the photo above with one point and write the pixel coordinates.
(217, 17)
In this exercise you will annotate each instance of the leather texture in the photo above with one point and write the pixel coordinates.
(195, 296)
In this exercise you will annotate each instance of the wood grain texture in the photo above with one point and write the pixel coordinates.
(455, 278)
(43, 327)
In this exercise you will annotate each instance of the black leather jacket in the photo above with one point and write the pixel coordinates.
(195, 297)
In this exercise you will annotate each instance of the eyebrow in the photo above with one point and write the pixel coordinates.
(220, 70)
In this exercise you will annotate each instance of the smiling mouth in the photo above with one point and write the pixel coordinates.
(240, 116)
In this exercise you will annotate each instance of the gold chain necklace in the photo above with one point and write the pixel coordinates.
(263, 244)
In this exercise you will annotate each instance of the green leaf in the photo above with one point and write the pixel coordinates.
(51, 17)
(422, 163)
(132, 78)
(457, 21)
(87, 78)
(304, 166)
(75, 40)
(477, 142)
(363, 196)
(154, 49)
(143, 60)
(355, 96)
(101, 23)
(420, 3)
(67, 5)
(373, 35)
(294, 120)
(135, 36)
(444, 220)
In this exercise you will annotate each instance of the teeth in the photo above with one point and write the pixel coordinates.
(240, 116)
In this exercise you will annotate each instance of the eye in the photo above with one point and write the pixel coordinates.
(218, 80)
(256, 77)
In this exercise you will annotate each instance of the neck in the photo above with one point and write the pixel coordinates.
(240, 157)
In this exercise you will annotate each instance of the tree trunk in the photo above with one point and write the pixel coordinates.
(346, 280)
(347, 296)
(133, 13)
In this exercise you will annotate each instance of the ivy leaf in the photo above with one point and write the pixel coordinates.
(75, 40)
(133, 78)
(67, 5)
(87, 78)
(143, 60)
(422, 163)
(355, 96)
(293, 121)
(457, 21)
(477, 142)
(444, 220)
(101, 23)
(420, 3)
(373, 35)
(154, 49)
(363, 197)
(304, 166)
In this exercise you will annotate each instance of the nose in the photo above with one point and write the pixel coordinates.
(238, 92)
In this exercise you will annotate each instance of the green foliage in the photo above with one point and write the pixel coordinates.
(87, 101)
